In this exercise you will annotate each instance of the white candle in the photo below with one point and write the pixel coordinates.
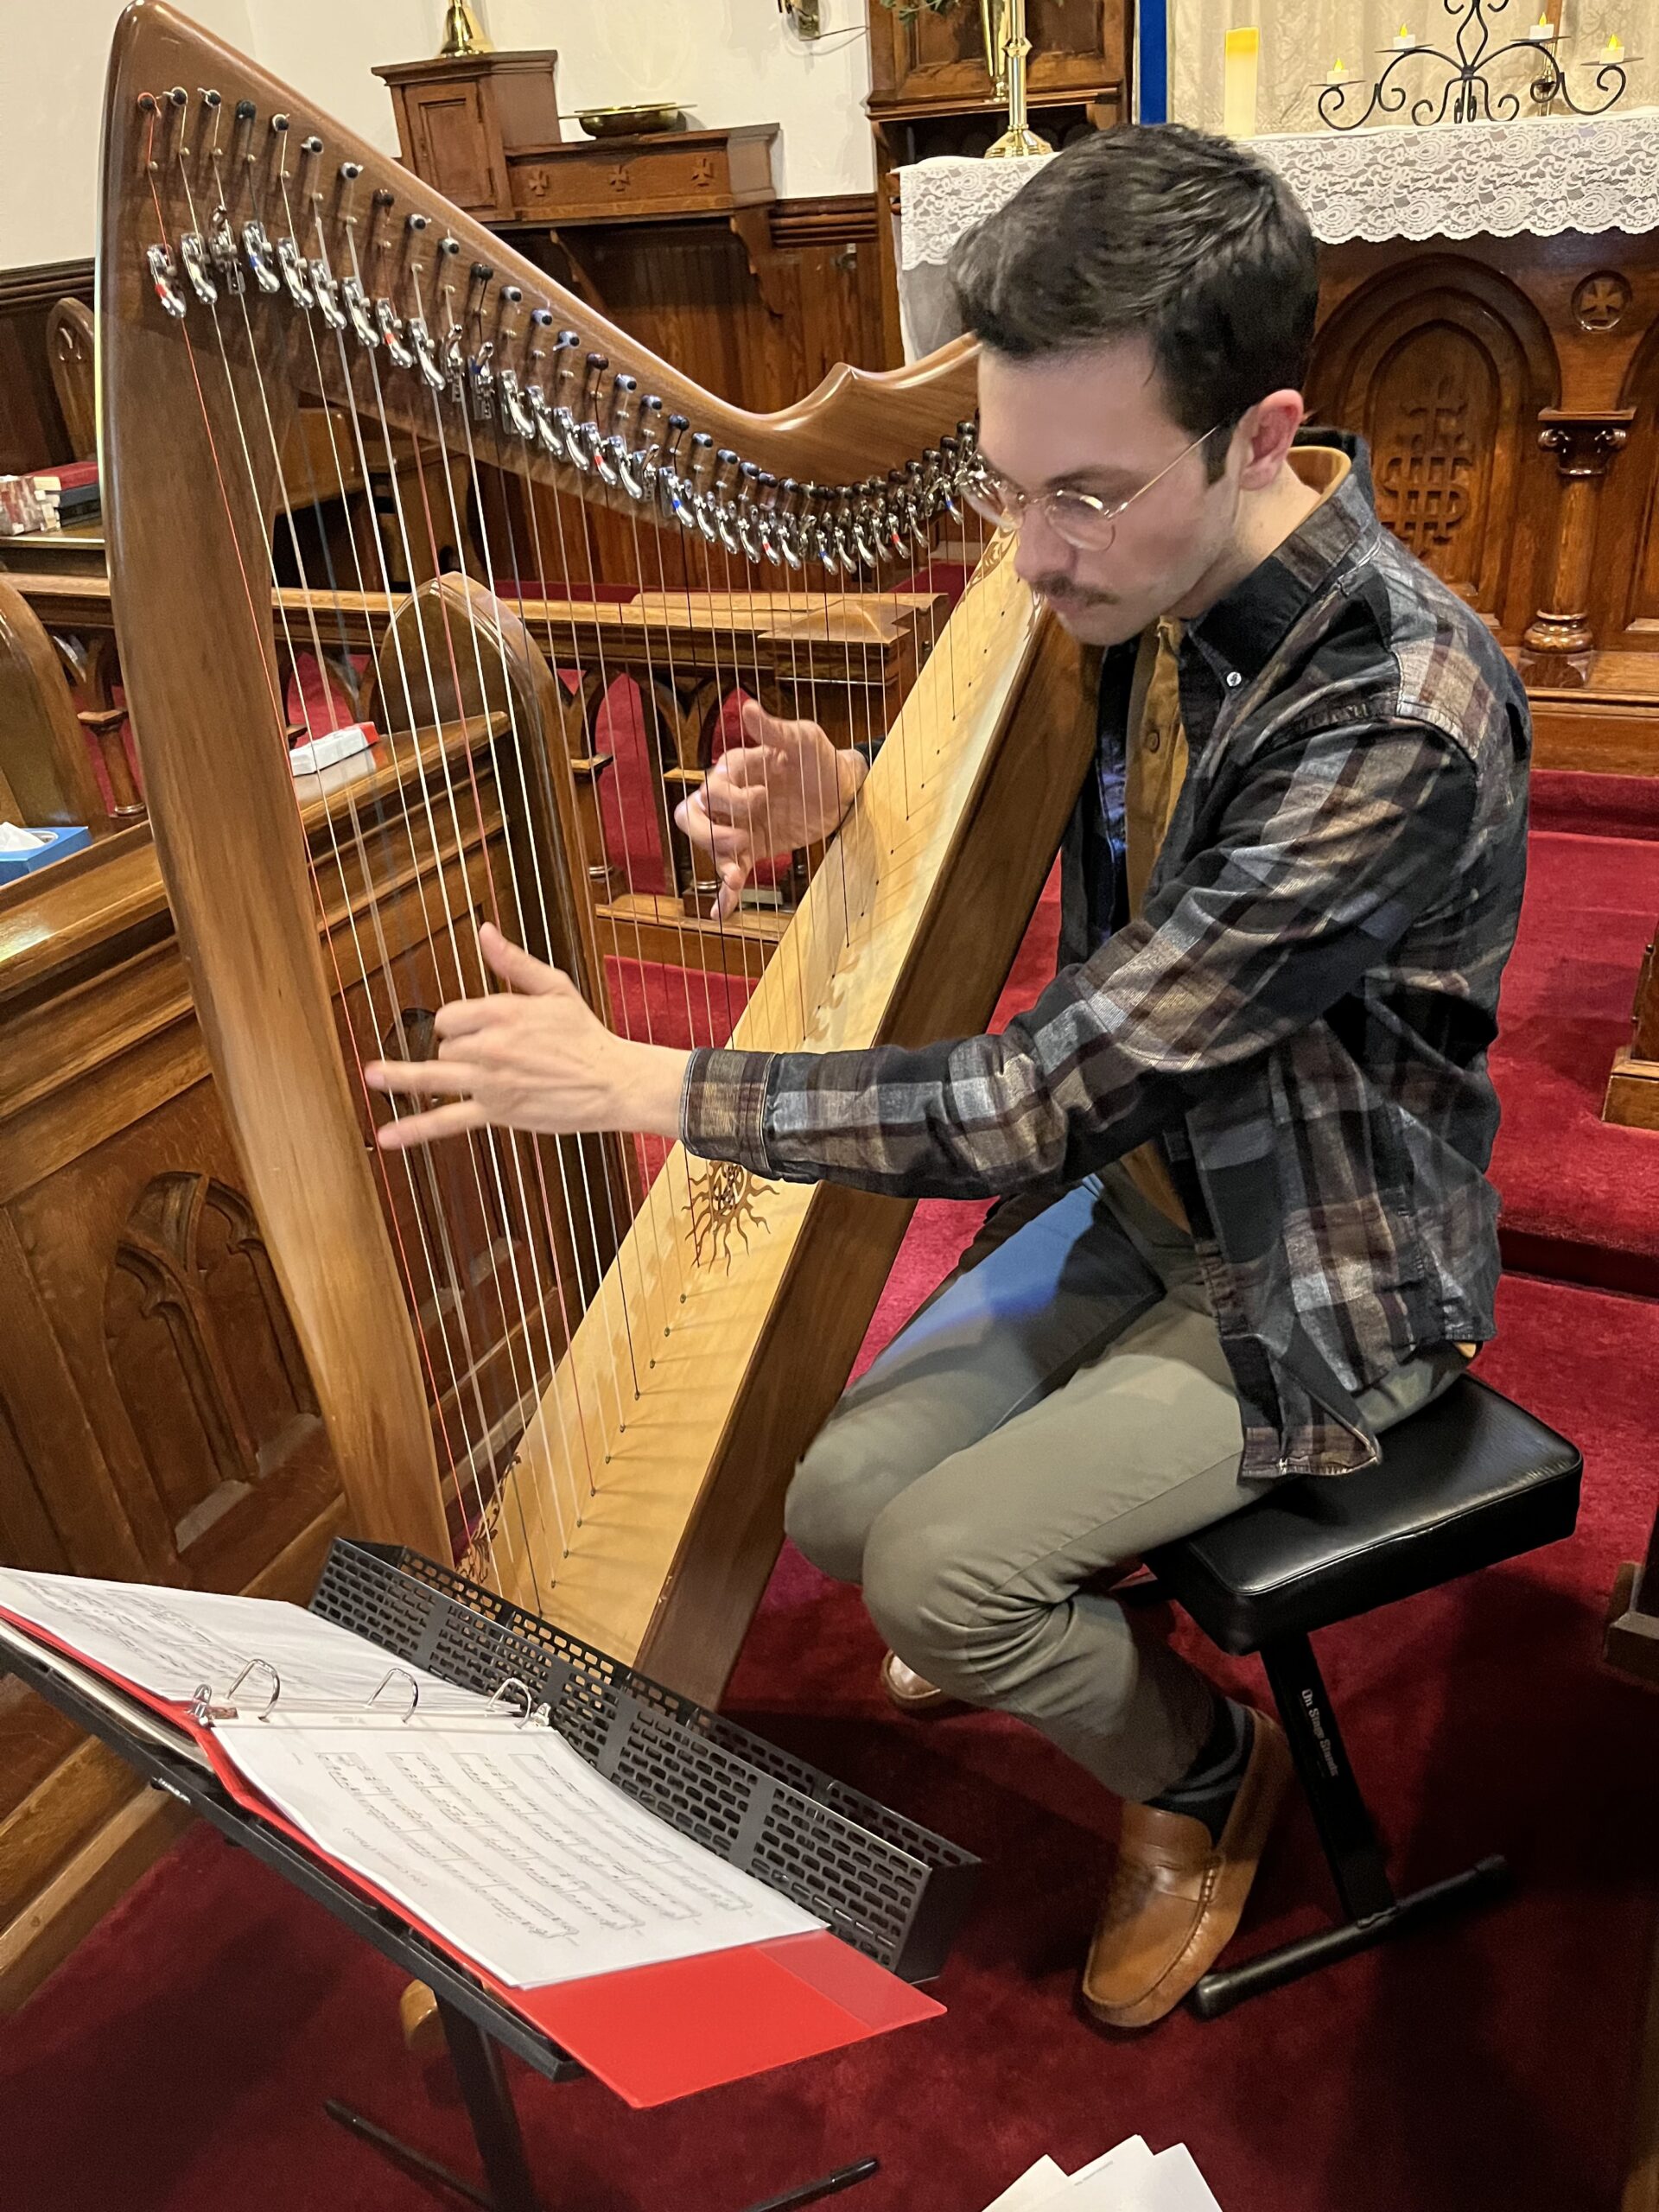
(1542, 32)
(1238, 83)
(1404, 38)
(1338, 73)
(1613, 49)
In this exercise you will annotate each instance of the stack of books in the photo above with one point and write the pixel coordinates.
(67, 494)
(1131, 2178)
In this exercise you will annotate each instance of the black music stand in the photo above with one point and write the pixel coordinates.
(662, 1749)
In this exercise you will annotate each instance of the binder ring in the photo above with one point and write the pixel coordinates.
(400, 1675)
(512, 1682)
(257, 1666)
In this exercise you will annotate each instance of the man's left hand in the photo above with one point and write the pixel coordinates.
(533, 1057)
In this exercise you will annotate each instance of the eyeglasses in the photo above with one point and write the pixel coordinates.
(1078, 519)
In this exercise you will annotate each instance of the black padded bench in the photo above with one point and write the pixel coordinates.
(1469, 1481)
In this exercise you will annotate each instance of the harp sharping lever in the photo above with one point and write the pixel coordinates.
(357, 311)
(425, 352)
(391, 333)
(165, 274)
(261, 260)
(194, 254)
(295, 274)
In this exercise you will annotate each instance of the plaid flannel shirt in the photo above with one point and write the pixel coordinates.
(1300, 1016)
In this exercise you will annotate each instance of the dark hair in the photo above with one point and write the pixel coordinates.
(1157, 231)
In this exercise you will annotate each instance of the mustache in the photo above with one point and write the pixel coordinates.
(1063, 592)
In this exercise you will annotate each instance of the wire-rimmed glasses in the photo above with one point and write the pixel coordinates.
(1079, 519)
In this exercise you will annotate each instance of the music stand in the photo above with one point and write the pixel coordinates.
(890, 1888)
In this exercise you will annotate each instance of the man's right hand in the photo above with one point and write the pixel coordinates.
(787, 785)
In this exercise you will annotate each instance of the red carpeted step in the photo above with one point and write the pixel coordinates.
(1580, 1197)
(1595, 806)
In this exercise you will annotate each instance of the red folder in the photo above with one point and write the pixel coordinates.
(651, 2033)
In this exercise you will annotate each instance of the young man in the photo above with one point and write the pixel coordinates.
(1240, 1139)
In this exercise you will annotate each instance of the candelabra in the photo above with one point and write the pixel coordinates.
(1467, 94)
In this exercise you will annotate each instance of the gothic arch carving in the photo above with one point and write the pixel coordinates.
(203, 1351)
(1624, 578)
(1442, 367)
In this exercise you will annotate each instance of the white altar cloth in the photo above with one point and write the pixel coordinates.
(1541, 176)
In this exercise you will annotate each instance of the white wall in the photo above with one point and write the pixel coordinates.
(726, 60)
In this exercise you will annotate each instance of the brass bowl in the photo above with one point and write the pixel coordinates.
(629, 122)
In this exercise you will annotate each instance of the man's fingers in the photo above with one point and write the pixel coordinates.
(514, 965)
(451, 1121)
(725, 840)
(461, 1017)
(420, 1078)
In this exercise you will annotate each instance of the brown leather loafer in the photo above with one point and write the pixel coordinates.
(911, 1691)
(1176, 1897)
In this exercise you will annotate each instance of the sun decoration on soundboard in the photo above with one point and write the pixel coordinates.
(998, 546)
(722, 1204)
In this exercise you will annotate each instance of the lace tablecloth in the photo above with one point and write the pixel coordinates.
(1476, 180)
(1460, 181)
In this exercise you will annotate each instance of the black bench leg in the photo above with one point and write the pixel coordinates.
(1373, 1913)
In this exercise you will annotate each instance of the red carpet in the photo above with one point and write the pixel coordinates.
(179, 2061)
(1580, 1197)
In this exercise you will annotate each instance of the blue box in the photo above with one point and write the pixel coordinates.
(69, 839)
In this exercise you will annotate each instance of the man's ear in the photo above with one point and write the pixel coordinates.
(1268, 431)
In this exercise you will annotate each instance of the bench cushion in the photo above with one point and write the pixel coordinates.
(1471, 1480)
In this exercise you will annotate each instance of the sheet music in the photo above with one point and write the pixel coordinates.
(501, 1839)
(169, 1641)
(136, 1720)
(1036, 2187)
(1129, 2179)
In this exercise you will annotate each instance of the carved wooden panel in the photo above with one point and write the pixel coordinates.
(1442, 367)
(32, 428)
(917, 56)
(203, 1352)
(1624, 578)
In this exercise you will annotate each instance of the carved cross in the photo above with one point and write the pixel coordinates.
(702, 170)
(621, 179)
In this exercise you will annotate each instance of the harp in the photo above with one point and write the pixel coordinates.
(597, 1377)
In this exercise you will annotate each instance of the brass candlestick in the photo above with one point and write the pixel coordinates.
(1018, 141)
(461, 34)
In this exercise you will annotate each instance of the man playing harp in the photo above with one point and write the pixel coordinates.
(1239, 1142)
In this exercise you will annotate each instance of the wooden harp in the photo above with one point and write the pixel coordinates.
(609, 1383)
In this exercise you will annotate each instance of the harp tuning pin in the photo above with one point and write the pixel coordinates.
(312, 145)
(350, 172)
(210, 97)
(179, 96)
(542, 318)
(279, 123)
(147, 104)
(449, 248)
(417, 223)
(511, 294)
(246, 110)
(482, 272)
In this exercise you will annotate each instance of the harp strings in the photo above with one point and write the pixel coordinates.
(278, 710)
(437, 1272)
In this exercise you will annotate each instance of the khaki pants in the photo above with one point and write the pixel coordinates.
(1058, 1408)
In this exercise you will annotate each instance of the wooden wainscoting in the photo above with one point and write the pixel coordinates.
(1508, 389)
